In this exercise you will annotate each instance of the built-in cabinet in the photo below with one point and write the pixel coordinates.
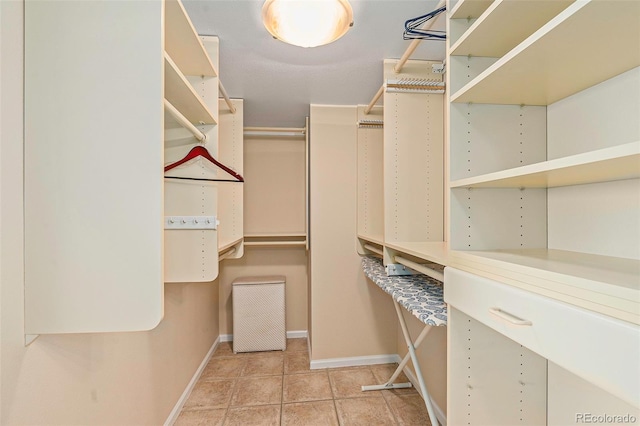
(544, 208)
(105, 111)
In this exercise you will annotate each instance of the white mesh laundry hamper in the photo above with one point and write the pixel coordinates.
(259, 314)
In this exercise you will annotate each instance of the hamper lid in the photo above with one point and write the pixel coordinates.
(265, 279)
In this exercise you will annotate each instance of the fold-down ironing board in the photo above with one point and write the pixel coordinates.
(420, 295)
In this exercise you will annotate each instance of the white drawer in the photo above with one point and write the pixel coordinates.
(603, 350)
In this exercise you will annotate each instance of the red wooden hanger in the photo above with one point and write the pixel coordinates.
(200, 151)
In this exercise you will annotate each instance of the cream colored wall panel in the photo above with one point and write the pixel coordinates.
(349, 316)
(485, 219)
(487, 138)
(190, 255)
(601, 218)
(573, 400)
(463, 69)
(274, 188)
(231, 194)
(606, 115)
(290, 262)
(370, 177)
(93, 164)
(492, 379)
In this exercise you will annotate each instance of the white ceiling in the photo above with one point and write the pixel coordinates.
(278, 81)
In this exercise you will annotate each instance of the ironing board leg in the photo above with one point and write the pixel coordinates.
(416, 366)
(411, 355)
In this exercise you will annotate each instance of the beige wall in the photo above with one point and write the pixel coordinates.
(108, 378)
(350, 316)
(290, 262)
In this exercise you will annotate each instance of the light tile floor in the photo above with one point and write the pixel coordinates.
(278, 388)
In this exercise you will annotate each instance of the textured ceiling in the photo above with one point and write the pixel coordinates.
(278, 81)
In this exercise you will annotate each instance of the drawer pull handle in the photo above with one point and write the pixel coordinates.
(509, 317)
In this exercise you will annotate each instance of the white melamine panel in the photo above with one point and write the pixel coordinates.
(504, 25)
(413, 158)
(463, 69)
(484, 219)
(274, 188)
(603, 116)
(190, 255)
(598, 348)
(370, 178)
(492, 380)
(573, 400)
(93, 166)
(231, 194)
(457, 27)
(558, 60)
(601, 218)
(488, 138)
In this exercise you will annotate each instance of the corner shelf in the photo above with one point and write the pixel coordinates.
(558, 59)
(506, 23)
(180, 93)
(603, 165)
(182, 43)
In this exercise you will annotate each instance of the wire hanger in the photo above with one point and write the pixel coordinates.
(412, 27)
(201, 151)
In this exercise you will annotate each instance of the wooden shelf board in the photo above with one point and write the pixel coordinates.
(469, 8)
(431, 251)
(563, 57)
(379, 240)
(183, 44)
(608, 164)
(604, 284)
(277, 235)
(506, 23)
(179, 92)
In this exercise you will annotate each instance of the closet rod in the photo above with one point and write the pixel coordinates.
(275, 131)
(182, 120)
(225, 254)
(420, 268)
(226, 97)
(373, 249)
(403, 60)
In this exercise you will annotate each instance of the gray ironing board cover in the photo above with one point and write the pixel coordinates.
(420, 295)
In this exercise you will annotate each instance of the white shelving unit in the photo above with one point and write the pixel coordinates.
(544, 167)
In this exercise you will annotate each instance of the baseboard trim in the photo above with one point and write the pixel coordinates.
(354, 361)
(293, 334)
(414, 381)
(173, 416)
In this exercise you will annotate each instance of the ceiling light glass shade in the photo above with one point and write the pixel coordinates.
(307, 23)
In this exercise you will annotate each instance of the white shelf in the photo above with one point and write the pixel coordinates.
(506, 23)
(469, 9)
(183, 44)
(378, 239)
(608, 285)
(179, 92)
(565, 56)
(609, 164)
(432, 251)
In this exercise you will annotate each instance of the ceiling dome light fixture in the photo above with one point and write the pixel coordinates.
(307, 23)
